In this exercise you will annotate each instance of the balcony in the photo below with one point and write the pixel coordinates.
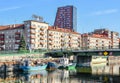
(62, 44)
(1, 43)
(17, 33)
(32, 42)
(62, 40)
(2, 35)
(17, 42)
(32, 37)
(50, 39)
(41, 38)
(17, 38)
(32, 32)
(41, 43)
(41, 33)
(70, 45)
(78, 45)
(70, 37)
(78, 41)
(62, 36)
(50, 43)
(78, 38)
(50, 34)
(33, 27)
(42, 29)
(2, 39)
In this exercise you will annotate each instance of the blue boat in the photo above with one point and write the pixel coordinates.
(52, 65)
(27, 67)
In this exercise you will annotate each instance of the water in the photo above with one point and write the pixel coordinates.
(97, 73)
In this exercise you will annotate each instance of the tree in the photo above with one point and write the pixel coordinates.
(22, 45)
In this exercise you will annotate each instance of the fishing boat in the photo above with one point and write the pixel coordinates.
(52, 66)
(27, 66)
(64, 64)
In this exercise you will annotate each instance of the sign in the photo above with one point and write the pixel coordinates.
(105, 53)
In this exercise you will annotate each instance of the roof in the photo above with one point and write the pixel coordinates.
(13, 26)
(36, 21)
(95, 36)
(53, 28)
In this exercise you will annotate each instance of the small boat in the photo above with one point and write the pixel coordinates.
(52, 66)
(28, 67)
(64, 64)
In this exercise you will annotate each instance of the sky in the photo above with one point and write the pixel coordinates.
(91, 14)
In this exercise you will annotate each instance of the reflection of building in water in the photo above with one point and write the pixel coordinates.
(58, 76)
(103, 68)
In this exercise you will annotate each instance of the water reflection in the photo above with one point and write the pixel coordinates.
(96, 73)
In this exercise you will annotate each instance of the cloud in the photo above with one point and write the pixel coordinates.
(10, 8)
(110, 11)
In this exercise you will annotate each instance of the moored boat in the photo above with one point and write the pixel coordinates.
(28, 67)
(64, 64)
(52, 66)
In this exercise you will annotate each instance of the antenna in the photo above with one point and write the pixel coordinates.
(37, 18)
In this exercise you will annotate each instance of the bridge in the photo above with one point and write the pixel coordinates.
(109, 52)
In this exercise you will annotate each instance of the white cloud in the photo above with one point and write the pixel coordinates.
(110, 11)
(10, 8)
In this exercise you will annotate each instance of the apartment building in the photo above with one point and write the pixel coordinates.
(114, 36)
(95, 41)
(36, 34)
(115, 39)
(59, 38)
(10, 36)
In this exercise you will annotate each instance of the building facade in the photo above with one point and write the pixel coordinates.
(95, 41)
(66, 17)
(10, 36)
(36, 34)
(114, 36)
(59, 38)
(39, 35)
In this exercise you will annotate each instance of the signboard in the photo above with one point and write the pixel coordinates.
(105, 53)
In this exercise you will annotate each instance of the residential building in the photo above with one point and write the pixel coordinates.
(115, 39)
(10, 36)
(114, 36)
(59, 38)
(36, 34)
(66, 17)
(95, 41)
(39, 35)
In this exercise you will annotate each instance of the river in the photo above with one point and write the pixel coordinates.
(96, 73)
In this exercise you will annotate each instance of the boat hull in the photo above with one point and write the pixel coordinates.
(33, 68)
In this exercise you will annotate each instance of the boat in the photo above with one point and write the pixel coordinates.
(64, 64)
(27, 66)
(52, 66)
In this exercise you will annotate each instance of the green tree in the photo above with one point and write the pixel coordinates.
(22, 45)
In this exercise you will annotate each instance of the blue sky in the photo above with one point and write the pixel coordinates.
(91, 14)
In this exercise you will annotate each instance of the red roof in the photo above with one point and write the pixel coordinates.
(11, 26)
(61, 30)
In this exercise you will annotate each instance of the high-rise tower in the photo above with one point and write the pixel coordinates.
(66, 17)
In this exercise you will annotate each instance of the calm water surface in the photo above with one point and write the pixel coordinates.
(97, 73)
